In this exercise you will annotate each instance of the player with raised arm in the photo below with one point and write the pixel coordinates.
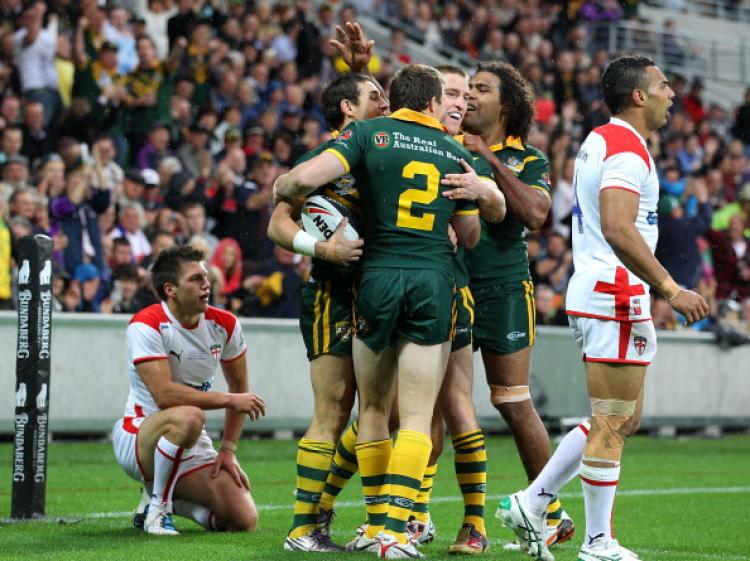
(500, 114)
(614, 236)
(174, 349)
(404, 294)
(326, 319)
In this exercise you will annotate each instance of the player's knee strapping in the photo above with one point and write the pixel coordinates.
(610, 422)
(500, 395)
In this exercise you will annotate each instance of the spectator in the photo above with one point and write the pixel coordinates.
(674, 52)
(156, 148)
(15, 174)
(194, 153)
(35, 49)
(146, 89)
(156, 15)
(122, 254)
(195, 220)
(228, 260)
(124, 296)
(679, 230)
(6, 261)
(37, 141)
(130, 226)
(118, 29)
(549, 310)
(87, 276)
(275, 290)
(76, 211)
(741, 128)
(741, 208)
(556, 266)
(730, 251)
(694, 102)
(11, 143)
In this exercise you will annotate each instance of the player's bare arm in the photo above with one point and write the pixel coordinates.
(283, 229)
(235, 373)
(467, 228)
(528, 205)
(469, 186)
(619, 210)
(158, 379)
(308, 176)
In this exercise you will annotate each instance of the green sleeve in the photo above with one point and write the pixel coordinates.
(483, 167)
(350, 146)
(536, 171)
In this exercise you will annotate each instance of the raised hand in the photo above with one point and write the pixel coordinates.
(354, 48)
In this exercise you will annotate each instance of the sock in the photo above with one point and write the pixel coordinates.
(313, 465)
(167, 458)
(554, 512)
(373, 458)
(405, 473)
(199, 514)
(599, 486)
(561, 468)
(421, 509)
(471, 473)
(344, 465)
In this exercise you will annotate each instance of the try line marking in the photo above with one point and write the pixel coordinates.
(457, 499)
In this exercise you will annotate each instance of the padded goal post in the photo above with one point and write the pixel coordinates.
(32, 376)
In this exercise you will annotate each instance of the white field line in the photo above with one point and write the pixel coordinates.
(457, 499)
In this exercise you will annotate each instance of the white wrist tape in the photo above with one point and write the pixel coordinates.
(304, 244)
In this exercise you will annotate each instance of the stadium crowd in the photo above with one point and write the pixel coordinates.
(130, 127)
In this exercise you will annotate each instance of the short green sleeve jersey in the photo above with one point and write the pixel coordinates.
(501, 254)
(398, 162)
(344, 192)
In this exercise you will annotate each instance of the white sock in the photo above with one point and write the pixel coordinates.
(167, 457)
(199, 514)
(599, 486)
(561, 468)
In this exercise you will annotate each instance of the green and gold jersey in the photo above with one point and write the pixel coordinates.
(156, 80)
(398, 162)
(344, 192)
(500, 255)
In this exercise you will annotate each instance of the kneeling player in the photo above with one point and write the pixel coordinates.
(174, 348)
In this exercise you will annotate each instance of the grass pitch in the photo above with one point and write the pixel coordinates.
(683, 499)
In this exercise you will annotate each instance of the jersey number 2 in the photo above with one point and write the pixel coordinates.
(405, 218)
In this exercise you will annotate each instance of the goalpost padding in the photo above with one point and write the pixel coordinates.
(32, 376)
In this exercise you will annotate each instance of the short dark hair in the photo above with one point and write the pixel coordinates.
(621, 77)
(168, 264)
(451, 69)
(516, 96)
(345, 86)
(120, 241)
(125, 272)
(414, 86)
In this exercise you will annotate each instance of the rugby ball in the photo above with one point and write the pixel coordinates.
(321, 216)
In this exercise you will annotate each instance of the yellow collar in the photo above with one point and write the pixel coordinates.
(335, 134)
(510, 142)
(417, 117)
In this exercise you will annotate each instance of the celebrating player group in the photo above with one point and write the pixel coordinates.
(442, 184)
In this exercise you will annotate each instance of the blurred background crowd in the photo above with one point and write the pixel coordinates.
(133, 125)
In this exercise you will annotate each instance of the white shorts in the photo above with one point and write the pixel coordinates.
(614, 341)
(125, 442)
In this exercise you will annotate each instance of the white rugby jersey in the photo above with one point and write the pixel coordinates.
(613, 156)
(193, 352)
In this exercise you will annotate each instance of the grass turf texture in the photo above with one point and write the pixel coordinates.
(683, 499)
